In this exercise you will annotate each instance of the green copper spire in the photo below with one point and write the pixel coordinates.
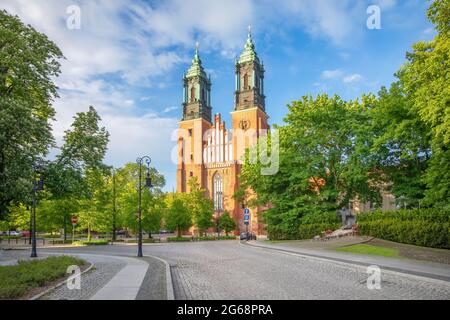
(249, 53)
(196, 69)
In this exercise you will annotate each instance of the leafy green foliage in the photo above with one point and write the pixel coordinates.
(178, 216)
(28, 63)
(200, 207)
(424, 227)
(324, 162)
(425, 78)
(226, 223)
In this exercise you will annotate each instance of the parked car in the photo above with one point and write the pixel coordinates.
(26, 233)
(247, 236)
(243, 236)
(14, 233)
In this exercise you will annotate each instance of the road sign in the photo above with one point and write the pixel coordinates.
(246, 222)
(246, 217)
(74, 219)
(246, 211)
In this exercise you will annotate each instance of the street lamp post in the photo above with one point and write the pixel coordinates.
(148, 184)
(114, 206)
(38, 185)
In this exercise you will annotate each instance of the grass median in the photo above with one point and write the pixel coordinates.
(17, 280)
(370, 250)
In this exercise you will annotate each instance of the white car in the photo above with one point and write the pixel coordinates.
(14, 233)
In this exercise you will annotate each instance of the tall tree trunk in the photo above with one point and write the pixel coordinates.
(179, 232)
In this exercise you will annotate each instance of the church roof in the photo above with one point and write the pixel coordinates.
(196, 69)
(249, 54)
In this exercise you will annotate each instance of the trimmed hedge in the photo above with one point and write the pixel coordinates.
(422, 227)
(308, 231)
(309, 226)
(428, 215)
(178, 239)
(147, 240)
(212, 238)
(420, 233)
(91, 243)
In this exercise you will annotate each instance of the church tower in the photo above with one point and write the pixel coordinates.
(249, 115)
(249, 82)
(196, 91)
(196, 120)
(209, 151)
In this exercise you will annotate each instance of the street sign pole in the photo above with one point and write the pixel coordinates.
(74, 221)
(246, 220)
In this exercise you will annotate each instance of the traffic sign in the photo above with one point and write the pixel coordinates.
(246, 211)
(74, 219)
(246, 222)
(246, 217)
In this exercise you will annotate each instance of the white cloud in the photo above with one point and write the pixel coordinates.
(169, 109)
(352, 78)
(331, 74)
(125, 44)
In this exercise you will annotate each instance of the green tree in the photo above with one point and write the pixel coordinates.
(226, 223)
(127, 179)
(425, 78)
(325, 160)
(29, 62)
(200, 207)
(401, 143)
(81, 157)
(85, 144)
(178, 216)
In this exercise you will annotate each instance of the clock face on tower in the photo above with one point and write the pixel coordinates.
(244, 124)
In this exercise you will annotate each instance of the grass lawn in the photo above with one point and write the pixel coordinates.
(275, 241)
(370, 250)
(16, 280)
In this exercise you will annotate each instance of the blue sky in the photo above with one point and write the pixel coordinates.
(127, 58)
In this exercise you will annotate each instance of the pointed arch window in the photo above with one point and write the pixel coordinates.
(245, 81)
(218, 192)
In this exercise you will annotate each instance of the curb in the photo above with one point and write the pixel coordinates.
(169, 283)
(59, 284)
(419, 274)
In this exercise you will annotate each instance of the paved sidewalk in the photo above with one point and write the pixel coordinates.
(420, 268)
(105, 268)
(126, 284)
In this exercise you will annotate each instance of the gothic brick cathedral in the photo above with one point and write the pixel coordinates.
(208, 150)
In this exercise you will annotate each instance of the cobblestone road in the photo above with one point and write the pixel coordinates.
(227, 270)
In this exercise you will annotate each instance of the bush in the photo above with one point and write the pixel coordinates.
(308, 231)
(212, 238)
(61, 241)
(422, 227)
(420, 233)
(11, 237)
(16, 280)
(178, 239)
(143, 241)
(330, 217)
(429, 215)
(91, 243)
